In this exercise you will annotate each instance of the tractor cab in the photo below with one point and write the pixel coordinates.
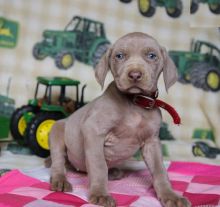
(60, 102)
(86, 25)
(210, 50)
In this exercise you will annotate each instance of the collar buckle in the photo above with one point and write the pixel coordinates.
(144, 101)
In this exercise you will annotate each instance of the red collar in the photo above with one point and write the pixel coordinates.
(151, 101)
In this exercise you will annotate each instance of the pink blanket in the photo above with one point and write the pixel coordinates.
(200, 183)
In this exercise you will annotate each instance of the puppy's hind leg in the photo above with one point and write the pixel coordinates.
(58, 179)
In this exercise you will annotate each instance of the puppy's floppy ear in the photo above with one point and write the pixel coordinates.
(103, 67)
(170, 74)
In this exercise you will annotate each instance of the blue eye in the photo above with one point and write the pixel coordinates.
(119, 56)
(152, 56)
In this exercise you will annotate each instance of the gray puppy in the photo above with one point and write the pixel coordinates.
(111, 128)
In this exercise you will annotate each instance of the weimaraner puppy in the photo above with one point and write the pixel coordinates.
(111, 128)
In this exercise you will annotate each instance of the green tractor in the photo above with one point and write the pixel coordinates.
(7, 107)
(31, 123)
(214, 5)
(203, 145)
(200, 66)
(148, 7)
(82, 39)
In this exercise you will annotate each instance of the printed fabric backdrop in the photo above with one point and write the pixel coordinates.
(18, 66)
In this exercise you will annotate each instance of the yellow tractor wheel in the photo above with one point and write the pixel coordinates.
(213, 80)
(37, 52)
(18, 123)
(43, 131)
(22, 125)
(205, 76)
(215, 8)
(64, 60)
(38, 132)
(198, 152)
(144, 5)
(175, 11)
(147, 7)
(67, 60)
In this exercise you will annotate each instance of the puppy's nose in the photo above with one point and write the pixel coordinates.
(135, 75)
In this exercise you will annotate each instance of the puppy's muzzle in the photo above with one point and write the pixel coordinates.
(135, 75)
(135, 70)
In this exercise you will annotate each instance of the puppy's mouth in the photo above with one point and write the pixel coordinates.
(131, 90)
(134, 90)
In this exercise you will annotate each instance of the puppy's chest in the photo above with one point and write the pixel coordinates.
(126, 137)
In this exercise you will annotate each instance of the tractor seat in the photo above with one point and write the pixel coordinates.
(42, 100)
(64, 100)
(68, 104)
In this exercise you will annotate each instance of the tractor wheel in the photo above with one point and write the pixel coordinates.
(126, 1)
(194, 6)
(215, 8)
(147, 7)
(64, 60)
(18, 123)
(99, 52)
(36, 52)
(202, 149)
(38, 131)
(213, 79)
(205, 76)
(175, 11)
(184, 79)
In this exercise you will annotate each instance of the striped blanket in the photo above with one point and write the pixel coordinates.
(200, 183)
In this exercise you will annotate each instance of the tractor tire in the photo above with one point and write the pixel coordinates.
(36, 52)
(18, 125)
(205, 77)
(125, 1)
(38, 132)
(182, 79)
(194, 6)
(215, 8)
(177, 11)
(147, 7)
(213, 79)
(202, 149)
(99, 52)
(64, 60)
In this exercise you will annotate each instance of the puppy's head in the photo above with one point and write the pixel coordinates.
(136, 61)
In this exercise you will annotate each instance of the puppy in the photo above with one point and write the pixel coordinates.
(111, 128)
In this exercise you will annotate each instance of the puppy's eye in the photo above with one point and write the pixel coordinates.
(152, 56)
(120, 56)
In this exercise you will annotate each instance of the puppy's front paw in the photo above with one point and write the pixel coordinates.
(171, 199)
(102, 200)
(60, 183)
